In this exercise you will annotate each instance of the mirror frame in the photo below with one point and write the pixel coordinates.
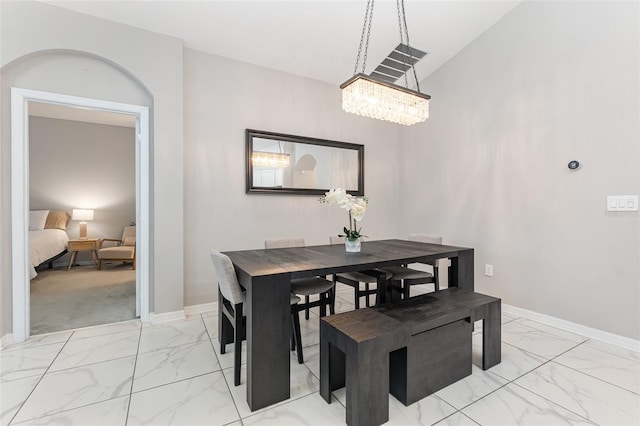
(251, 189)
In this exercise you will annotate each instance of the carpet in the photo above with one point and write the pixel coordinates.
(82, 297)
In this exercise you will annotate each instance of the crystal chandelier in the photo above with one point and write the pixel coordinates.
(272, 160)
(371, 97)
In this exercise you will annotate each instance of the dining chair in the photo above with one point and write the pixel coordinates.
(307, 287)
(231, 299)
(355, 279)
(403, 277)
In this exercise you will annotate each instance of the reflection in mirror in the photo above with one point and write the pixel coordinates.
(294, 164)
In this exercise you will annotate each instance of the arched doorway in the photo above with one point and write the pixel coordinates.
(20, 203)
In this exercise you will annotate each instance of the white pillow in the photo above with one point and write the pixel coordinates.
(37, 219)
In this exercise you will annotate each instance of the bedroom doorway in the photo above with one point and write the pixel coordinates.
(81, 162)
(22, 101)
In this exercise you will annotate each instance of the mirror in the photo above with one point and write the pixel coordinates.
(287, 164)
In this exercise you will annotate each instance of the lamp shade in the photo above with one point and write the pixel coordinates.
(82, 214)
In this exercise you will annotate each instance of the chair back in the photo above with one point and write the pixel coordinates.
(284, 243)
(425, 238)
(129, 236)
(227, 279)
(335, 239)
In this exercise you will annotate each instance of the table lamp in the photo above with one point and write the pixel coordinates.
(82, 215)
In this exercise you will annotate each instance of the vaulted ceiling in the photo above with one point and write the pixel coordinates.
(315, 39)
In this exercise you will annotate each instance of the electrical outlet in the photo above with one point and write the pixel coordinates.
(488, 270)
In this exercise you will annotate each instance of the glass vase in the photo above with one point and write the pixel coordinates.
(352, 246)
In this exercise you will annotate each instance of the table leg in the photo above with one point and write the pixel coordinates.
(461, 270)
(381, 286)
(268, 334)
(72, 259)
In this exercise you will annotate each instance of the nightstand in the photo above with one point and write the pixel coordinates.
(88, 244)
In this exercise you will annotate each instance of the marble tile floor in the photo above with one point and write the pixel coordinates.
(173, 374)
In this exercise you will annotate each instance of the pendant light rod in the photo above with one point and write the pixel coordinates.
(366, 26)
(404, 35)
(402, 23)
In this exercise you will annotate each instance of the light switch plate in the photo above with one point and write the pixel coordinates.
(622, 203)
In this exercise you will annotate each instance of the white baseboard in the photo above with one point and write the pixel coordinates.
(203, 307)
(166, 317)
(592, 333)
(6, 340)
(181, 315)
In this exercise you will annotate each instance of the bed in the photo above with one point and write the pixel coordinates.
(47, 238)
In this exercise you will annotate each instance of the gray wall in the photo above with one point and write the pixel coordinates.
(83, 165)
(549, 83)
(52, 49)
(224, 97)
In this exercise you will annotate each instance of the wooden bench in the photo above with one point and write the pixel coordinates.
(485, 308)
(354, 352)
(410, 348)
(439, 349)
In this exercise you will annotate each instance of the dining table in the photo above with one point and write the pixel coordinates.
(266, 276)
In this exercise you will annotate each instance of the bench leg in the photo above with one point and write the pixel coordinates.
(367, 393)
(325, 385)
(491, 335)
(367, 383)
(332, 369)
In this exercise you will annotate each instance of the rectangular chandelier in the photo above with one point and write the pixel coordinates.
(366, 96)
(272, 160)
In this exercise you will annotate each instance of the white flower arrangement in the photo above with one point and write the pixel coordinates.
(354, 205)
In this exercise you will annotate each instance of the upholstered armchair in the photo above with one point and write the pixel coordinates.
(122, 250)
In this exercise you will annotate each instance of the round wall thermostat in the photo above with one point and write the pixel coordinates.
(573, 164)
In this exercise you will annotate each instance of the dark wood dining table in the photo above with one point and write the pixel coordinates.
(266, 276)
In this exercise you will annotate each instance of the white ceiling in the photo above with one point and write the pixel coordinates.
(315, 39)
